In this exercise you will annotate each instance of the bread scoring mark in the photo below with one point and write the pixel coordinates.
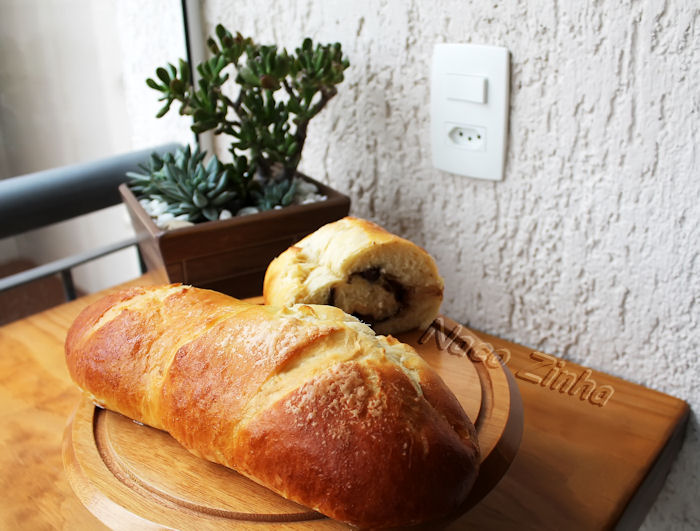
(149, 342)
(354, 343)
(396, 352)
(399, 355)
(287, 378)
(145, 300)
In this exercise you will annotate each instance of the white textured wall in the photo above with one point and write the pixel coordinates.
(589, 247)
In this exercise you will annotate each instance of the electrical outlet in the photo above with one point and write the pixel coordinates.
(469, 109)
(467, 137)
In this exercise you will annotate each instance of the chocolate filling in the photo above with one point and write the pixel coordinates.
(389, 283)
(372, 274)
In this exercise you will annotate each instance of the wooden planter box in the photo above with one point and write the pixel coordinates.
(230, 256)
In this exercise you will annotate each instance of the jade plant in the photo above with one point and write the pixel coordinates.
(266, 115)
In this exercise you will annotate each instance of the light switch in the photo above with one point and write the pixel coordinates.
(465, 88)
(469, 96)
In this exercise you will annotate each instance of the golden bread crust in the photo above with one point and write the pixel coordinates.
(360, 438)
(305, 400)
(384, 279)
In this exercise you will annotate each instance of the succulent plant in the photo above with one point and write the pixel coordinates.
(280, 193)
(278, 94)
(189, 187)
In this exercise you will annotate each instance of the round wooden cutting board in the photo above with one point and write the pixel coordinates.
(130, 475)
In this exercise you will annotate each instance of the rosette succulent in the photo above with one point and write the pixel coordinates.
(192, 190)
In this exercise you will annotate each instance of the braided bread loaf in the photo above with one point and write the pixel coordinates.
(304, 400)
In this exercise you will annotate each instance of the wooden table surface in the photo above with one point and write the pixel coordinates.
(594, 454)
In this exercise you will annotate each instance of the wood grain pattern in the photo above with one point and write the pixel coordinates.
(36, 398)
(109, 458)
(579, 466)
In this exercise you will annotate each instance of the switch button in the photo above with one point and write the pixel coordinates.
(466, 88)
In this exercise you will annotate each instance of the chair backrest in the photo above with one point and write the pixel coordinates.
(38, 199)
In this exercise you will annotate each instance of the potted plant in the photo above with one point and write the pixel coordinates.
(218, 224)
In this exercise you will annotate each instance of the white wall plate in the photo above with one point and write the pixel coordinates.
(469, 96)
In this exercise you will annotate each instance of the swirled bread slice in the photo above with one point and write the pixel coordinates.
(386, 281)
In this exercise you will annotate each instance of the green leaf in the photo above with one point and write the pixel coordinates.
(221, 184)
(248, 76)
(203, 73)
(320, 59)
(293, 105)
(211, 213)
(199, 199)
(155, 86)
(289, 196)
(162, 74)
(203, 126)
(201, 115)
(164, 109)
(268, 59)
(213, 165)
(213, 47)
(221, 31)
(184, 71)
(223, 198)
